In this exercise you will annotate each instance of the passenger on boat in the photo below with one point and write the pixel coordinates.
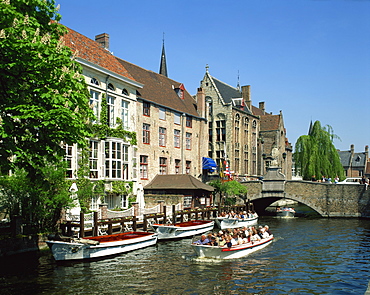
(203, 240)
(213, 241)
(267, 229)
(254, 235)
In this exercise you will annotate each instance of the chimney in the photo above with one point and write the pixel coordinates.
(201, 102)
(367, 151)
(246, 94)
(352, 149)
(261, 106)
(103, 40)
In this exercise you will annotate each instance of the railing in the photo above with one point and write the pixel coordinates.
(117, 214)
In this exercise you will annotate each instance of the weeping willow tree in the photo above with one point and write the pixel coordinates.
(315, 153)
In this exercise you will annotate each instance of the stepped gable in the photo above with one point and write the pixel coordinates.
(93, 52)
(160, 90)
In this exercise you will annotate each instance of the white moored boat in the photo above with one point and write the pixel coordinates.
(237, 251)
(100, 246)
(285, 212)
(182, 229)
(229, 222)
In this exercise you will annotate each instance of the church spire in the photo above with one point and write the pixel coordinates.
(163, 66)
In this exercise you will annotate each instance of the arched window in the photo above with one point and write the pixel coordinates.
(111, 87)
(94, 81)
(124, 91)
(254, 124)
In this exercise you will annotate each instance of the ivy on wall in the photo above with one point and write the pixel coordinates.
(102, 129)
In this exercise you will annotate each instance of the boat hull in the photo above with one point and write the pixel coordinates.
(285, 214)
(183, 229)
(120, 243)
(225, 222)
(206, 251)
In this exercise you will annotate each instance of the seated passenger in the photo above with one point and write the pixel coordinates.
(203, 240)
(213, 242)
(254, 236)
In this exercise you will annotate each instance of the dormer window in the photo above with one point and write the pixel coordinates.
(124, 91)
(94, 81)
(180, 91)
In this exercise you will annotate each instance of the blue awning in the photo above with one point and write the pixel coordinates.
(209, 164)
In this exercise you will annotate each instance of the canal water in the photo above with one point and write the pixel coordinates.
(308, 256)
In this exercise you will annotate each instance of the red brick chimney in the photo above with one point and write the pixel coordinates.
(201, 102)
(103, 40)
(246, 94)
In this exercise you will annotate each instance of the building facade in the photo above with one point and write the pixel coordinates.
(171, 127)
(247, 137)
(113, 99)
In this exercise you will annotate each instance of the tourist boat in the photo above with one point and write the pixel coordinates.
(100, 246)
(237, 251)
(230, 222)
(182, 229)
(285, 212)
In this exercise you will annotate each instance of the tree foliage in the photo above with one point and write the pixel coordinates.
(43, 102)
(230, 190)
(43, 96)
(315, 154)
(38, 203)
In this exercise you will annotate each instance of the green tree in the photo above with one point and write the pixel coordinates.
(38, 203)
(43, 96)
(43, 102)
(230, 190)
(315, 153)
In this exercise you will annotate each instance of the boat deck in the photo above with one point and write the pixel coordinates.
(119, 237)
(187, 223)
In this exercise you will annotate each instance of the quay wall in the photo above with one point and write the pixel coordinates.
(328, 199)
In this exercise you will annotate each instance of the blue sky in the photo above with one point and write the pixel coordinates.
(310, 59)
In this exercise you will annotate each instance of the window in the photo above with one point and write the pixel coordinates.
(146, 109)
(162, 136)
(237, 129)
(144, 167)
(146, 133)
(110, 110)
(94, 81)
(68, 158)
(176, 138)
(177, 166)
(124, 201)
(162, 113)
(254, 124)
(124, 114)
(177, 118)
(221, 130)
(124, 92)
(188, 121)
(116, 160)
(188, 141)
(93, 159)
(210, 132)
(111, 87)
(162, 166)
(188, 167)
(94, 103)
(187, 201)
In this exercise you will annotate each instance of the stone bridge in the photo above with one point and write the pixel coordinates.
(328, 200)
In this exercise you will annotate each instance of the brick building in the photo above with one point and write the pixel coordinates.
(355, 164)
(171, 126)
(247, 136)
